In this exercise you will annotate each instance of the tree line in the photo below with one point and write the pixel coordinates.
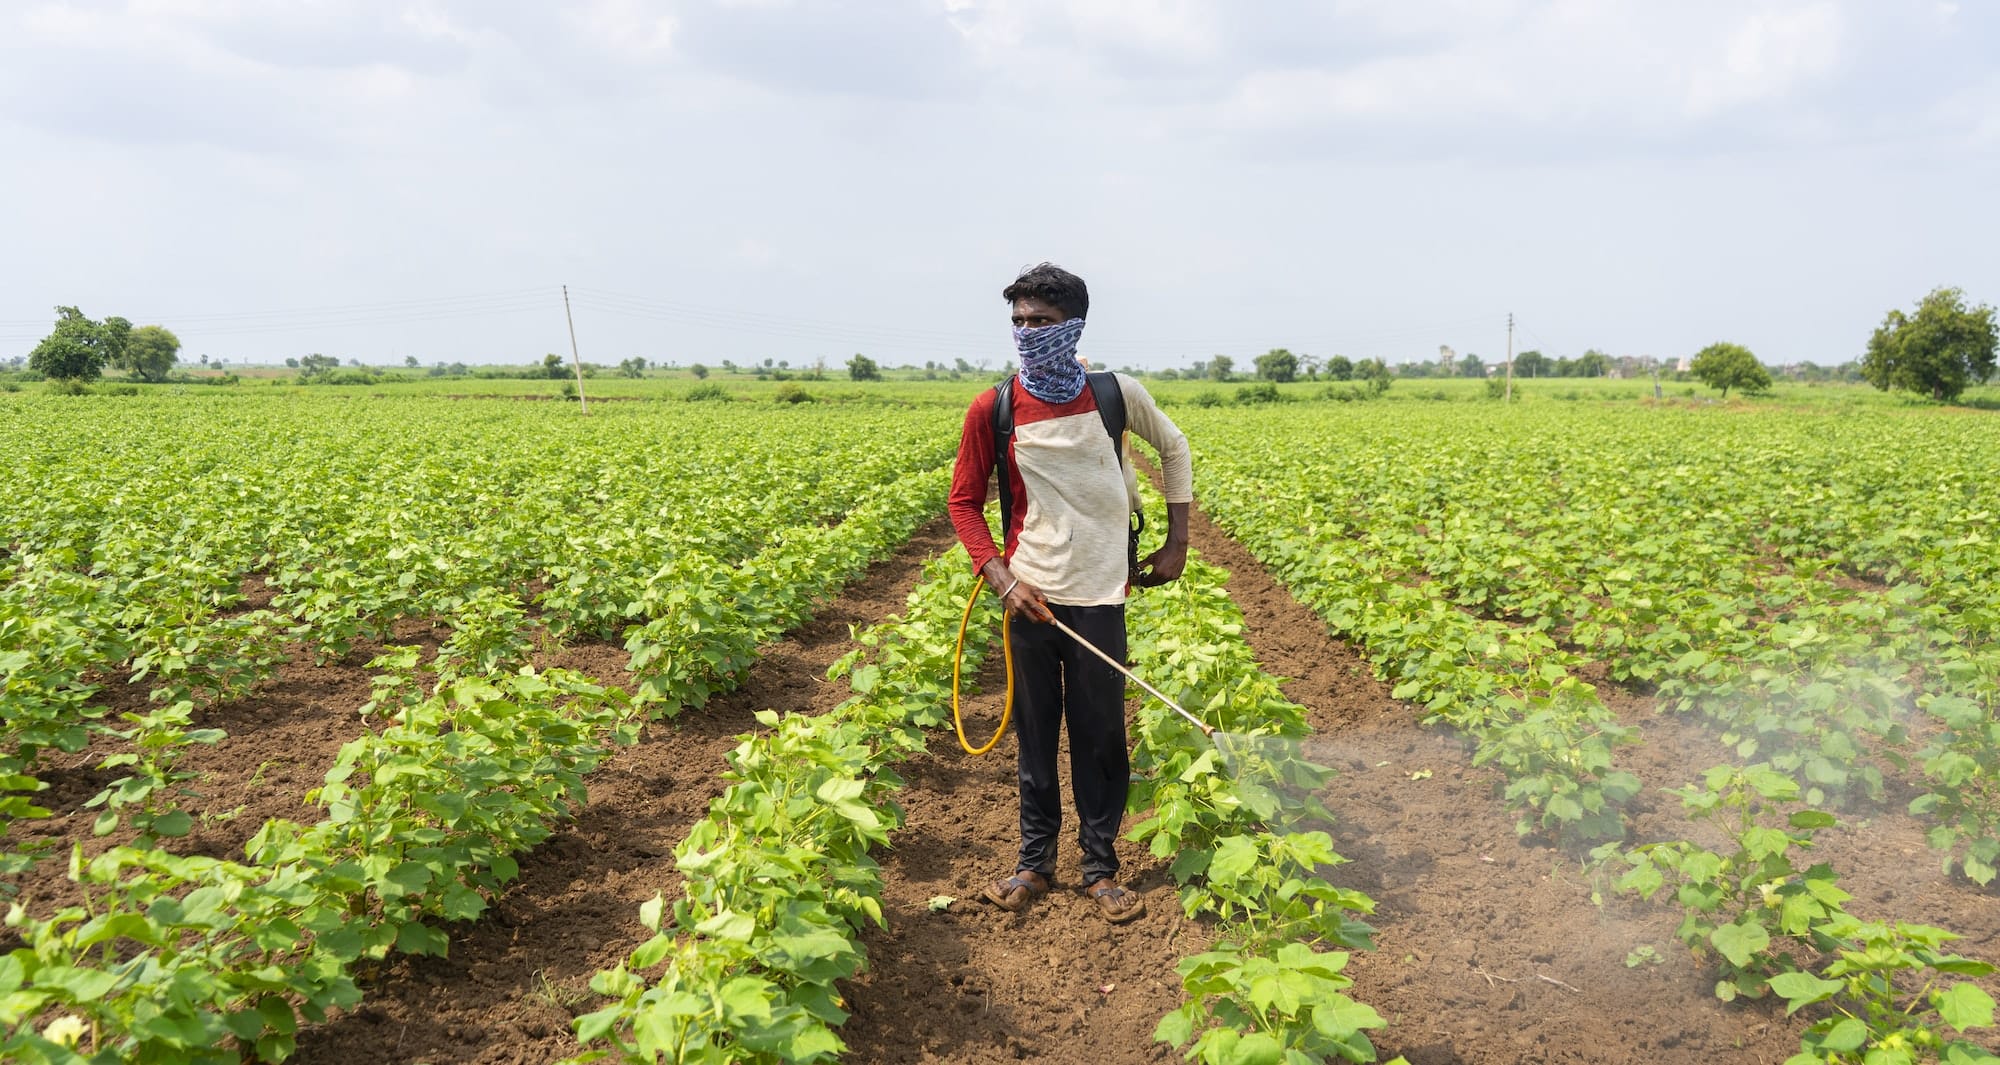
(1938, 350)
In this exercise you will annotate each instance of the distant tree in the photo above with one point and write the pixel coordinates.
(1278, 365)
(552, 366)
(700, 372)
(767, 364)
(1376, 373)
(1414, 369)
(1220, 367)
(1725, 366)
(863, 368)
(1533, 364)
(1937, 351)
(151, 352)
(634, 367)
(961, 366)
(1471, 366)
(1593, 363)
(410, 361)
(1340, 368)
(73, 351)
(292, 363)
(117, 332)
(1197, 370)
(317, 365)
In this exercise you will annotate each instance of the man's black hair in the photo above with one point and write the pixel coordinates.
(1052, 285)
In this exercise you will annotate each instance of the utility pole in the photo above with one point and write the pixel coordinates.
(1510, 356)
(582, 404)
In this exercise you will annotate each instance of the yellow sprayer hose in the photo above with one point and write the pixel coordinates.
(958, 656)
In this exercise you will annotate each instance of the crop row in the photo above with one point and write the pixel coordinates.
(356, 516)
(1402, 548)
(172, 957)
(1729, 581)
(1236, 817)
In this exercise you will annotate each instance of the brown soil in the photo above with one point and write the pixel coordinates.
(516, 977)
(973, 983)
(1490, 949)
(280, 741)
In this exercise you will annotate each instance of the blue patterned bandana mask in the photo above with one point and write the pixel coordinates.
(1049, 370)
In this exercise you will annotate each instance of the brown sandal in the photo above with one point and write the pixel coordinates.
(1117, 904)
(1015, 892)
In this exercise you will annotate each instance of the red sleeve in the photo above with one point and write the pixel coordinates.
(969, 478)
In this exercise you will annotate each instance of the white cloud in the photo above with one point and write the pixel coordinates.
(1768, 55)
(634, 28)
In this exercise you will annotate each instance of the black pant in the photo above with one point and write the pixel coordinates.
(1055, 679)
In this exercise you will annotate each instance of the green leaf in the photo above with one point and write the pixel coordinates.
(80, 985)
(1341, 1016)
(1740, 942)
(1965, 1006)
(1176, 1028)
(1846, 1034)
(1803, 989)
(748, 997)
(1257, 1048)
(735, 927)
(1235, 857)
(866, 679)
(173, 824)
(836, 790)
(1565, 808)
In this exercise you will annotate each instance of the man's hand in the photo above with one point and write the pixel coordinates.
(1167, 563)
(1163, 565)
(1021, 599)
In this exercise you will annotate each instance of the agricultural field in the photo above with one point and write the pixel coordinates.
(380, 724)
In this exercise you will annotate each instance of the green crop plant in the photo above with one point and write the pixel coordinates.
(1750, 903)
(146, 797)
(1290, 1007)
(1892, 998)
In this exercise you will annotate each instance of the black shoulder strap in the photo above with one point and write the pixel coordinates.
(1110, 407)
(1003, 432)
(1110, 410)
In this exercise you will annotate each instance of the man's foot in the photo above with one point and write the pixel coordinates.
(1015, 892)
(1117, 904)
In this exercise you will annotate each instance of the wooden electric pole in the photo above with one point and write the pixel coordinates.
(582, 404)
(1510, 356)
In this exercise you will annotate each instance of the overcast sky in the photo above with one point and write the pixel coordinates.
(793, 179)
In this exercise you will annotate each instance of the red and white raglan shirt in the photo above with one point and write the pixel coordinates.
(1071, 496)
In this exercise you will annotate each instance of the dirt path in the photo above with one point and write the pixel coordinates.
(515, 978)
(976, 984)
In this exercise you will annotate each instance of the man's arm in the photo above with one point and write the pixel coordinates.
(1145, 418)
(967, 506)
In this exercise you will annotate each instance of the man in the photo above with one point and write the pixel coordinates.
(1064, 555)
